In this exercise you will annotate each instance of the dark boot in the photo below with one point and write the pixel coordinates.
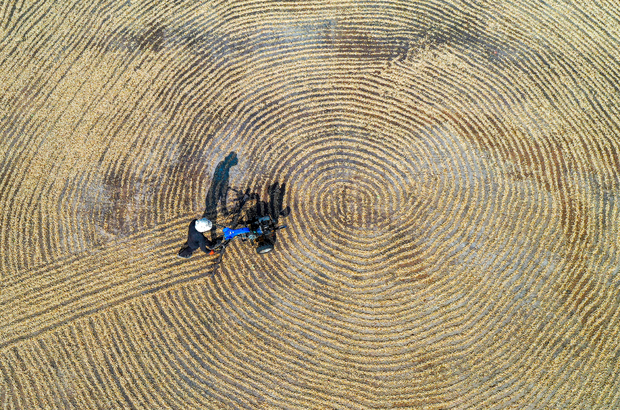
(185, 253)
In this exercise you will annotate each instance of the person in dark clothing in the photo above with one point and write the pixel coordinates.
(196, 239)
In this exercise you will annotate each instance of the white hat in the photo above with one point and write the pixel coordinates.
(203, 225)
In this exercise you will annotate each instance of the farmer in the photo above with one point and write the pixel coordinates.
(196, 239)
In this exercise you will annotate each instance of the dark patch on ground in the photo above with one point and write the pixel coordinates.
(347, 40)
(466, 30)
(132, 196)
(153, 37)
(126, 202)
(351, 42)
(117, 218)
(549, 164)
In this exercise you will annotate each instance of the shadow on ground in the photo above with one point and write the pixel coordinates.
(217, 197)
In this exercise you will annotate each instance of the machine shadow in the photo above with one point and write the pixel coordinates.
(272, 207)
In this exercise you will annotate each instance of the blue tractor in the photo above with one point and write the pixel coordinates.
(260, 230)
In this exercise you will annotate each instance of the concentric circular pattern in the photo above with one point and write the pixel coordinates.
(452, 169)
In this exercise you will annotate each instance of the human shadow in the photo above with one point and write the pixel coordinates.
(218, 191)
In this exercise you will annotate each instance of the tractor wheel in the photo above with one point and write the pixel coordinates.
(266, 248)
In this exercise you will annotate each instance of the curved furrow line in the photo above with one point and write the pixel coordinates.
(246, 348)
(123, 344)
(172, 392)
(52, 274)
(270, 363)
(46, 312)
(242, 395)
(362, 329)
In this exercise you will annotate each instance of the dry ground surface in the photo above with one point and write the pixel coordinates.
(452, 168)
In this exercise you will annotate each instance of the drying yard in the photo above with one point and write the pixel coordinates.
(453, 170)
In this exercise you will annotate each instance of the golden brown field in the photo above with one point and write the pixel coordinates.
(452, 168)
